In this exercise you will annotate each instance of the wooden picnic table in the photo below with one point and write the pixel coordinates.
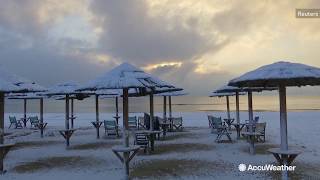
(4, 149)
(127, 155)
(151, 136)
(238, 127)
(251, 138)
(67, 133)
(284, 157)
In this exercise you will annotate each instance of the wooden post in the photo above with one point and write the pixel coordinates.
(97, 116)
(283, 125)
(41, 116)
(151, 111)
(25, 111)
(67, 118)
(228, 107)
(126, 116)
(1, 128)
(250, 111)
(72, 114)
(170, 107)
(250, 121)
(283, 118)
(117, 107)
(164, 107)
(1, 119)
(238, 107)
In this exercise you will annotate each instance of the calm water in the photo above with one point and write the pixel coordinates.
(180, 104)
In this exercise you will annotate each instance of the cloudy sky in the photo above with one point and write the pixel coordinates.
(198, 45)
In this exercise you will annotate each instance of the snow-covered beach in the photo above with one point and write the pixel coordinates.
(191, 154)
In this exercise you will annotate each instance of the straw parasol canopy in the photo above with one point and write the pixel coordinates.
(215, 94)
(68, 90)
(284, 73)
(125, 77)
(169, 95)
(280, 74)
(11, 83)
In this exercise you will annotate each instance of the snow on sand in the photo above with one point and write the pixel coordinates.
(191, 154)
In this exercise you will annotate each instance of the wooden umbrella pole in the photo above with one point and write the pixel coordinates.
(283, 118)
(126, 116)
(67, 112)
(250, 111)
(25, 111)
(164, 107)
(1, 128)
(1, 118)
(97, 116)
(41, 116)
(151, 112)
(72, 114)
(117, 107)
(170, 107)
(228, 107)
(237, 107)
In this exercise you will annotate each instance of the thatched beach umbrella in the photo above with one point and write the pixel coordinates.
(281, 75)
(249, 90)
(169, 94)
(101, 94)
(11, 83)
(125, 77)
(67, 90)
(29, 96)
(227, 95)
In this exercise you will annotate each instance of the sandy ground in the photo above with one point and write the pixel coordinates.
(191, 154)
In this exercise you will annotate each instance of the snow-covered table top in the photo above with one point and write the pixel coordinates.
(285, 152)
(125, 149)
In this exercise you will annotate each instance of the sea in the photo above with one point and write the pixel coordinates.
(179, 104)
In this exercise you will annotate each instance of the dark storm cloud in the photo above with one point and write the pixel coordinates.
(132, 35)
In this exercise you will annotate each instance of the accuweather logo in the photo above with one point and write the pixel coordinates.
(266, 167)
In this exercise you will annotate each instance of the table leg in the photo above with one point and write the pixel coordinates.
(252, 150)
(152, 142)
(126, 163)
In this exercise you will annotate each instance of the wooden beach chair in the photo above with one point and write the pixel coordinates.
(216, 122)
(34, 121)
(141, 139)
(110, 128)
(210, 120)
(261, 129)
(132, 122)
(141, 123)
(177, 123)
(15, 122)
(222, 130)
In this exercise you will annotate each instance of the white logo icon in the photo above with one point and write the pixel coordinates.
(242, 167)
